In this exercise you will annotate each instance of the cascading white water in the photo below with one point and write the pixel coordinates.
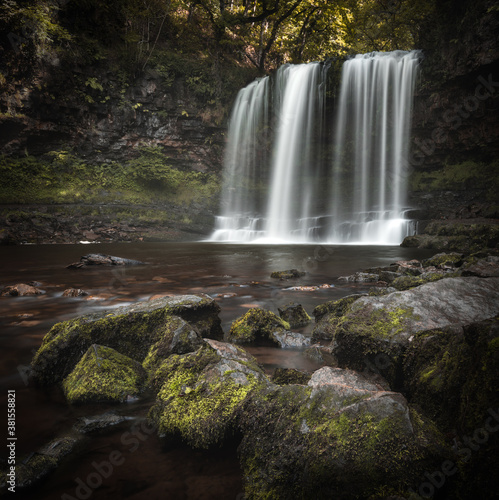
(280, 197)
(245, 159)
(371, 149)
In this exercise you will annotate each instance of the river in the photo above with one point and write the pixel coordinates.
(237, 276)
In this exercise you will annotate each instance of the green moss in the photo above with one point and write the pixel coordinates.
(104, 375)
(335, 307)
(443, 259)
(283, 376)
(198, 404)
(296, 441)
(257, 324)
(407, 282)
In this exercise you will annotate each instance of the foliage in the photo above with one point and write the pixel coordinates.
(62, 177)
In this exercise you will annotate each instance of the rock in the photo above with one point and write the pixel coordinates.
(321, 354)
(98, 259)
(284, 376)
(289, 339)
(286, 275)
(407, 282)
(36, 466)
(97, 423)
(452, 373)
(341, 436)
(178, 337)
(294, 314)
(335, 307)
(74, 292)
(21, 290)
(440, 260)
(328, 315)
(483, 268)
(104, 375)
(375, 332)
(360, 278)
(257, 325)
(200, 393)
(131, 330)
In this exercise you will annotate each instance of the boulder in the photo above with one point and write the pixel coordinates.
(99, 259)
(199, 393)
(104, 375)
(484, 268)
(294, 314)
(375, 331)
(257, 325)
(284, 376)
(131, 330)
(289, 339)
(340, 436)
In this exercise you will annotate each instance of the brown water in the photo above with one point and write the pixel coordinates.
(238, 276)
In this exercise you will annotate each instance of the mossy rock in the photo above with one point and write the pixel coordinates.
(178, 337)
(284, 376)
(335, 307)
(200, 392)
(408, 282)
(104, 375)
(376, 331)
(257, 325)
(131, 330)
(452, 374)
(288, 274)
(328, 316)
(452, 259)
(338, 437)
(294, 314)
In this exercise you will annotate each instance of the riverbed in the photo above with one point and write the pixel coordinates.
(237, 276)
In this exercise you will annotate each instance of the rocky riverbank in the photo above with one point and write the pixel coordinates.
(404, 406)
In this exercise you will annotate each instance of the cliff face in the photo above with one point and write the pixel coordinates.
(455, 143)
(106, 116)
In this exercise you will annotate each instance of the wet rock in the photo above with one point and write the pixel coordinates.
(21, 290)
(341, 436)
(131, 330)
(200, 393)
(257, 325)
(289, 339)
(98, 423)
(441, 260)
(376, 331)
(407, 282)
(294, 314)
(286, 275)
(74, 292)
(104, 375)
(321, 354)
(36, 466)
(98, 259)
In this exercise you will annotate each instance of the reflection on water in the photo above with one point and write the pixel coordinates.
(237, 276)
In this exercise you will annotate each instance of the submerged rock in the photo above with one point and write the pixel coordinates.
(98, 423)
(130, 330)
(257, 325)
(99, 259)
(340, 436)
(21, 290)
(104, 375)
(199, 393)
(288, 274)
(74, 292)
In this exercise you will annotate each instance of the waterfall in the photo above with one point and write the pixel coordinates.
(277, 185)
(370, 170)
